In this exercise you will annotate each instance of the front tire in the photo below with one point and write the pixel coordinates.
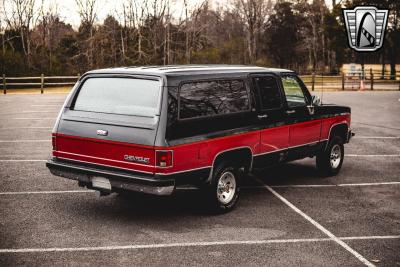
(223, 192)
(330, 160)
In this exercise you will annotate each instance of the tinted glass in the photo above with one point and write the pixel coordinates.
(172, 105)
(269, 92)
(209, 98)
(124, 96)
(294, 94)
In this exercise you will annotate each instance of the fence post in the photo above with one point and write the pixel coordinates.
(371, 78)
(312, 81)
(4, 84)
(343, 77)
(41, 83)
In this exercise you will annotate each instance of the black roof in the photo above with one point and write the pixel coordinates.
(174, 74)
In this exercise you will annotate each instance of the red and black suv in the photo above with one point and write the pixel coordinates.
(150, 129)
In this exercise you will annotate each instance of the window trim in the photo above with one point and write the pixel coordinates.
(257, 89)
(179, 119)
(126, 76)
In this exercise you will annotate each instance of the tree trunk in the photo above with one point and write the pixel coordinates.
(165, 50)
(187, 49)
(383, 64)
(91, 47)
(139, 42)
(392, 69)
(392, 61)
(168, 44)
(323, 37)
(251, 44)
(4, 53)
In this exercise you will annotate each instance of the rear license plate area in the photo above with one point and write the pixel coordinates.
(101, 182)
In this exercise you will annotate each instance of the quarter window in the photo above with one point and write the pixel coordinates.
(200, 99)
(294, 94)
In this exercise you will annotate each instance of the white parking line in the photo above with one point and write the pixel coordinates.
(194, 188)
(192, 244)
(3, 118)
(320, 185)
(23, 141)
(376, 137)
(16, 128)
(319, 226)
(27, 112)
(48, 105)
(372, 155)
(370, 237)
(23, 160)
(47, 192)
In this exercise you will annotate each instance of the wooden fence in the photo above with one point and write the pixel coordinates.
(38, 81)
(371, 80)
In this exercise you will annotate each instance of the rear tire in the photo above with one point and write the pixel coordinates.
(223, 192)
(330, 160)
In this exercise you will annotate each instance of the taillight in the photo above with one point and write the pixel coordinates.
(164, 158)
(53, 142)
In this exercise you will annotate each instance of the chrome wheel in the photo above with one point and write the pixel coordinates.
(226, 187)
(336, 156)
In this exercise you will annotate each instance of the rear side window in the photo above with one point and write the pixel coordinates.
(270, 96)
(209, 98)
(125, 96)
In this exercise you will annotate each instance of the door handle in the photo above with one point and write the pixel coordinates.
(262, 116)
(290, 111)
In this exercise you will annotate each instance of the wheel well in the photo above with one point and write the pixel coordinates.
(340, 130)
(241, 157)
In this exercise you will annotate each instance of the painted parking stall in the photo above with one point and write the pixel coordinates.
(358, 207)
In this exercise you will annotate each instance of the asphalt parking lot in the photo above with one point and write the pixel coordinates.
(286, 216)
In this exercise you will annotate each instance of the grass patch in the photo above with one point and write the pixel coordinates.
(49, 90)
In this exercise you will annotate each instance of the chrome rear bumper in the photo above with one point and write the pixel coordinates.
(119, 180)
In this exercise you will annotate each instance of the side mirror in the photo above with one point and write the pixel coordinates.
(316, 101)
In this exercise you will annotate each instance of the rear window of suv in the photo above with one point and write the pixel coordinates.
(124, 96)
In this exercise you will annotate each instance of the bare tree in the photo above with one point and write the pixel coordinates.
(254, 13)
(313, 31)
(87, 10)
(129, 18)
(19, 15)
(167, 34)
(48, 18)
(187, 33)
(156, 19)
(135, 14)
(192, 27)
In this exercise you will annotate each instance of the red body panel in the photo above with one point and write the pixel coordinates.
(328, 123)
(274, 139)
(305, 133)
(103, 152)
(198, 154)
(202, 154)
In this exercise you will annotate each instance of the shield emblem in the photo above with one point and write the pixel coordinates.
(365, 26)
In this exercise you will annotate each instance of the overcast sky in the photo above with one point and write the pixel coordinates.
(68, 8)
